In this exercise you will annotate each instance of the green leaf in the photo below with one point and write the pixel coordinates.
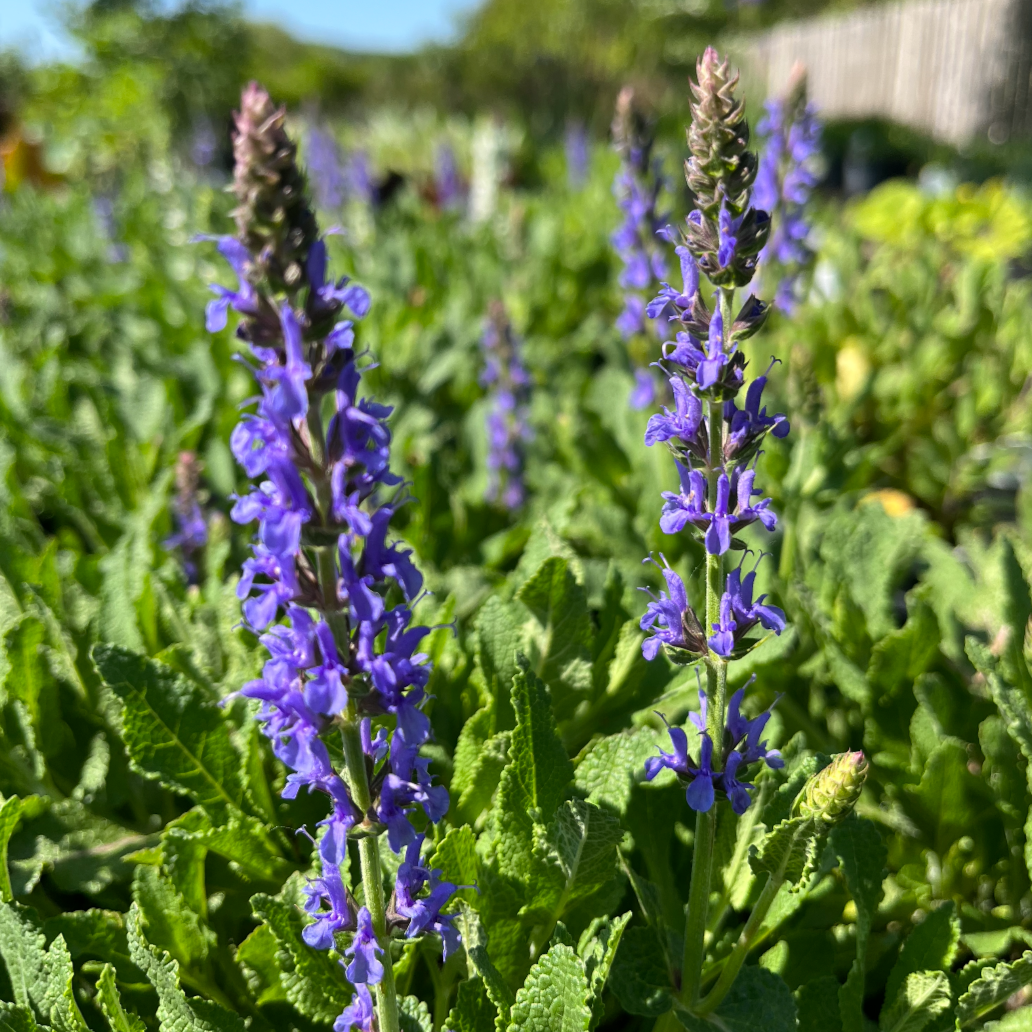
(609, 771)
(759, 999)
(10, 814)
(499, 635)
(554, 998)
(560, 633)
(1013, 706)
(899, 658)
(922, 998)
(176, 1013)
(931, 946)
(96, 933)
(790, 850)
(473, 1010)
(19, 1019)
(474, 939)
(456, 856)
(414, 1015)
(597, 949)
(479, 785)
(258, 957)
(314, 984)
(169, 921)
(110, 1002)
(992, 988)
(640, 979)
(172, 733)
(58, 999)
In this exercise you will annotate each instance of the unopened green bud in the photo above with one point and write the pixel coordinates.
(721, 168)
(831, 794)
(274, 220)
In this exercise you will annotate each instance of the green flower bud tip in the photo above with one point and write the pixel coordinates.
(831, 794)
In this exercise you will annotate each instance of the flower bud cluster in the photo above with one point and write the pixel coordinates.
(715, 444)
(322, 558)
(637, 186)
(787, 175)
(508, 386)
(831, 794)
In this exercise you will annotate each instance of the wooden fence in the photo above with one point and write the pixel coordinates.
(958, 70)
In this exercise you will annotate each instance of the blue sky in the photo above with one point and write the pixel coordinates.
(383, 25)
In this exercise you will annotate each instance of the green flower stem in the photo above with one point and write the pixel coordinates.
(698, 905)
(372, 872)
(745, 942)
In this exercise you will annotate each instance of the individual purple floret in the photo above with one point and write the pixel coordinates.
(448, 186)
(787, 175)
(323, 557)
(637, 187)
(670, 619)
(739, 614)
(508, 430)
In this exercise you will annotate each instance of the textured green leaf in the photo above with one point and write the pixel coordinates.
(790, 850)
(10, 814)
(1013, 705)
(1015, 1021)
(473, 1010)
(931, 946)
(99, 934)
(580, 843)
(639, 977)
(474, 939)
(456, 856)
(597, 949)
(499, 636)
(490, 759)
(899, 658)
(992, 989)
(613, 765)
(23, 947)
(18, 1019)
(58, 999)
(258, 957)
(554, 998)
(759, 999)
(172, 733)
(922, 998)
(110, 1002)
(168, 920)
(313, 983)
(560, 632)
(414, 1015)
(176, 1013)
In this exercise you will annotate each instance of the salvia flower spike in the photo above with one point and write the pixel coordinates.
(715, 444)
(316, 587)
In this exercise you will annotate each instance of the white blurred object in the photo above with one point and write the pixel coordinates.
(487, 155)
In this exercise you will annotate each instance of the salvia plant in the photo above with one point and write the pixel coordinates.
(506, 422)
(637, 188)
(349, 652)
(788, 172)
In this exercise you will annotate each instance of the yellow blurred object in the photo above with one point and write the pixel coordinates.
(990, 221)
(895, 503)
(23, 162)
(852, 369)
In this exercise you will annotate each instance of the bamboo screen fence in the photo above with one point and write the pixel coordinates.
(956, 69)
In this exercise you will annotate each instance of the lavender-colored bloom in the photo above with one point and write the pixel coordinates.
(739, 614)
(578, 154)
(506, 422)
(736, 791)
(358, 1014)
(644, 392)
(191, 533)
(683, 423)
(325, 170)
(746, 427)
(677, 761)
(358, 178)
(722, 641)
(670, 619)
(365, 952)
(327, 889)
(448, 185)
(700, 793)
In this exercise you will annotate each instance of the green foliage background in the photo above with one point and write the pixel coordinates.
(152, 874)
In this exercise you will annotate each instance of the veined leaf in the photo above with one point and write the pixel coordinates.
(118, 1018)
(473, 1010)
(922, 998)
(176, 1013)
(172, 733)
(790, 850)
(597, 950)
(992, 988)
(554, 998)
(759, 999)
(10, 814)
(640, 978)
(19, 1019)
(475, 940)
(414, 1015)
(456, 856)
(931, 946)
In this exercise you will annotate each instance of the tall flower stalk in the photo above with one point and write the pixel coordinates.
(787, 175)
(637, 187)
(508, 386)
(344, 661)
(715, 445)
